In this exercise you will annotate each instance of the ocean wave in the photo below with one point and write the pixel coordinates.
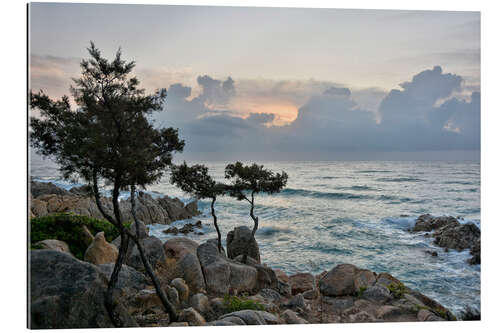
(373, 171)
(327, 195)
(400, 179)
(356, 188)
(271, 231)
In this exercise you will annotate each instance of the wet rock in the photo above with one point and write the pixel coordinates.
(458, 237)
(238, 240)
(475, 251)
(429, 223)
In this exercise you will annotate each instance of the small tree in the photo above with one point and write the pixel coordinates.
(251, 180)
(108, 138)
(195, 180)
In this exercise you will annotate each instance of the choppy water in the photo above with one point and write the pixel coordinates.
(354, 212)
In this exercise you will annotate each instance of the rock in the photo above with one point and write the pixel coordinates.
(311, 294)
(173, 296)
(41, 188)
(200, 303)
(100, 251)
(269, 295)
(84, 190)
(145, 300)
(281, 275)
(297, 301)
(217, 306)
(192, 316)
(339, 281)
(68, 293)
(361, 317)
(386, 279)
(223, 275)
(192, 208)
(458, 237)
(171, 230)
(387, 311)
(182, 261)
(54, 244)
(234, 320)
(426, 315)
(432, 253)
(266, 277)
(302, 282)
(291, 317)
(179, 324)
(475, 251)
(143, 230)
(252, 317)
(237, 242)
(153, 249)
(429, 223)
(364, 279)
(224, 322)
(38, 207)
(129, 282)
(182, 289)
(339, 304)
(377, 293)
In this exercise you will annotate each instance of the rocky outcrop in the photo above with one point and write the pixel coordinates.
(302, 282)
(182, 262)
(68, 293)
(186, 228)
(100, 251)
(47, 199)
(449, 233)
(222, 275)
(53, 244)
(238, 240)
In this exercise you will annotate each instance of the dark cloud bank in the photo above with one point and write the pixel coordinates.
(422, 116)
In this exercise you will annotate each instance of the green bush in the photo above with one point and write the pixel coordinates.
(234, 303)
(397, 289)
(67, 227)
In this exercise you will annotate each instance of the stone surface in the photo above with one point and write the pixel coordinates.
(302, 282)
(252, 317)
(429, 223)
(377, 293)
(339, 281)
(426, 315)
(54, 244)
(291, 317)
(100, 251)
(182, 262)
(297, 301)
(458, 237)
(182, 289)
(200, 303)
(68, 293)
(237, 242)
(153, 249)
(269, 295)
(192, 317)
(223, 275)
(129, 281)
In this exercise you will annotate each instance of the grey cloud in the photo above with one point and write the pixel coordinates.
(260, 118)
(214, 91)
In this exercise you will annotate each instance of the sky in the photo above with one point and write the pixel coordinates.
(284, 83)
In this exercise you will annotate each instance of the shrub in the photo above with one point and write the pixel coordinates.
(234, 303)
(397, 289)
(67, 227)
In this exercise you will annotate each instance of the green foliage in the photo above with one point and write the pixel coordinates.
(253, 178)
(234, 303)
(195, 180)
(361, 291)
(397, 289)
(68, 228)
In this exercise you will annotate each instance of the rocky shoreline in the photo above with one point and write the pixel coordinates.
(209, 288)
(47, 198)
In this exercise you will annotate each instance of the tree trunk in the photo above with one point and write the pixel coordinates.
(169, 307)
(254, 230)
(219, 242)
(124, 240)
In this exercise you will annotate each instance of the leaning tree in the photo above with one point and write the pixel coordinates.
(246, 181)
(195, 180)
(108, 138)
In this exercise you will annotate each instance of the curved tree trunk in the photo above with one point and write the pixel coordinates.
(159, 291)
(219, 242)
(124, 240)
(254, 230)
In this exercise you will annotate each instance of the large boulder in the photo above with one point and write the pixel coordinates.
(252, 317)
(301, 282)
(428, 222)
(223, 275)
(68, 293)
(53, 244)
(182, 262)
(238, 240)
(100, 251)
(153, 249)
(130, 281)
(266, 276)
(344, 280)
(458, 237)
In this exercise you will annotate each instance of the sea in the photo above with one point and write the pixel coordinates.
(356, 212)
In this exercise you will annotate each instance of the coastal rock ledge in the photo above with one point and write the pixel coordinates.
(47, 198)
(208, 288)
